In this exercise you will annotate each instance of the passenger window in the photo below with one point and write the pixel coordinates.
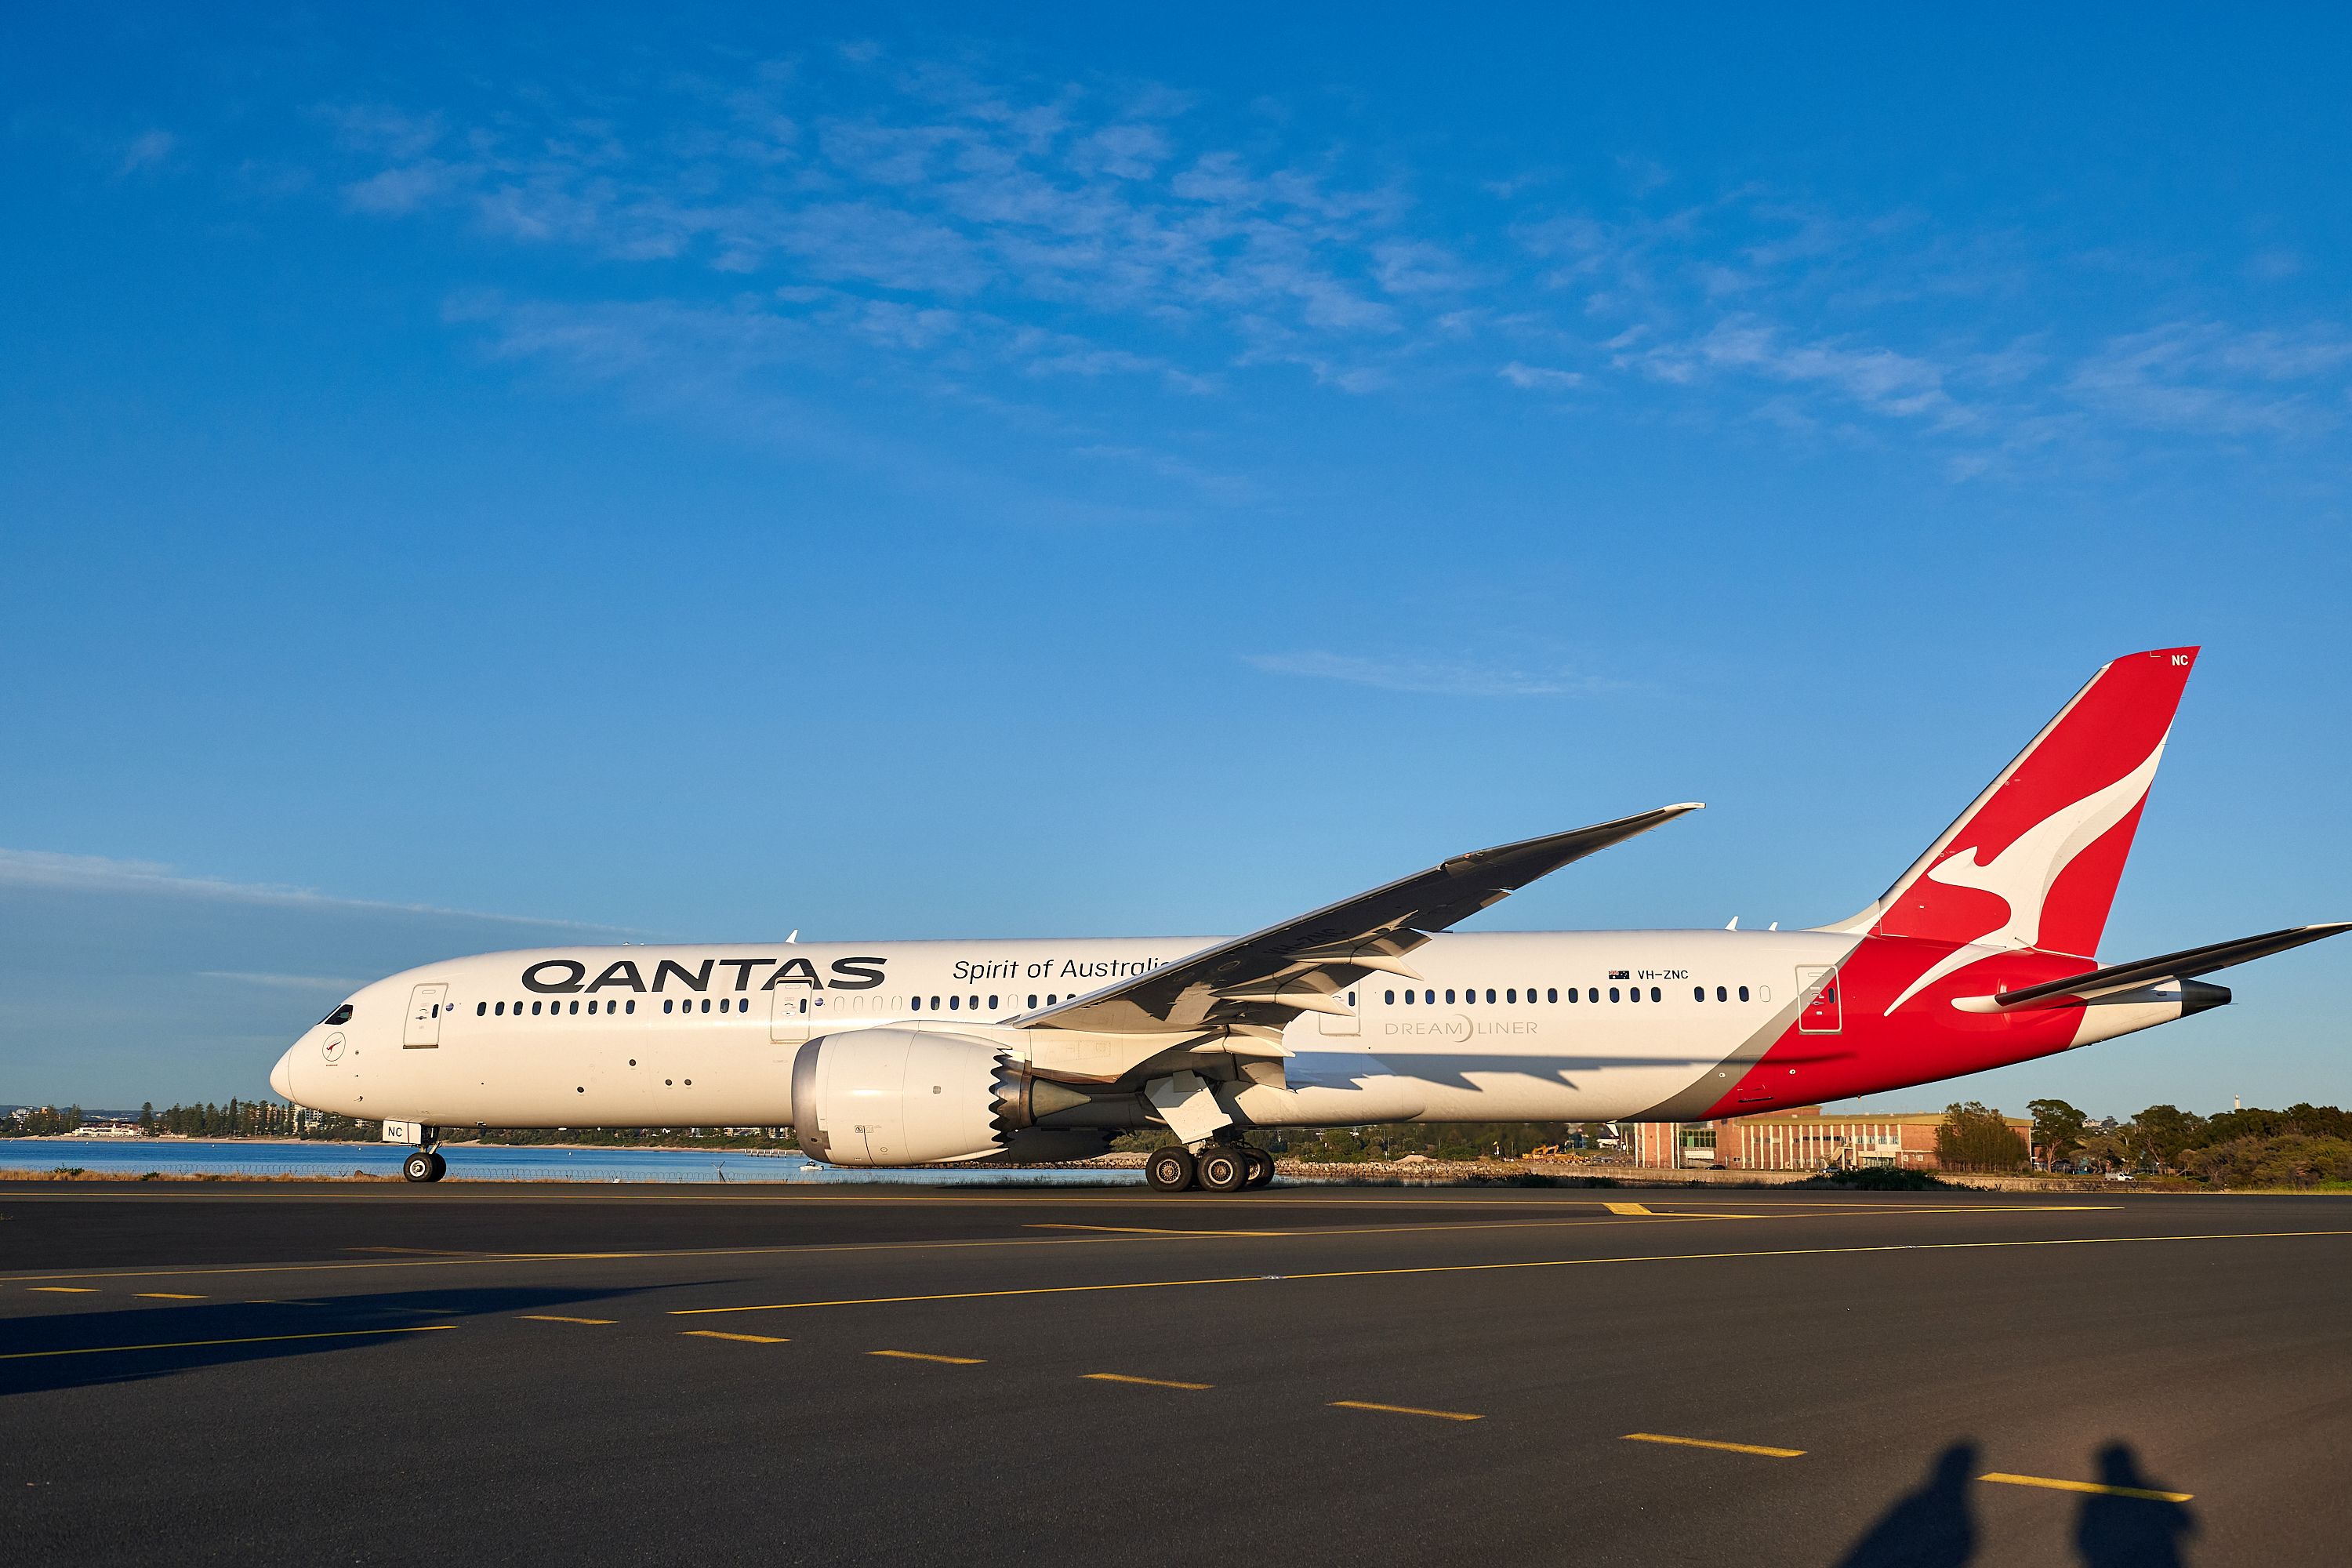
(935, 1004)
(918, 1004)
(1511, 994)
(1429, 998)
(633, 1007)
(1698, 992)
(1410, 998)
(575, 1007)
(1490, 993)
(1633, 993)
(975, 1004)
(706, 1003)
(1033, 998)
(954, 1002)
(1612, 994)
(1553, 995)
(668, 1003)
(1743, 993)
(1388, 998)
(1655, 994)
(991, 1004)
(501, 1011)
(1449, 997)
(1720, 996)
(1052, 1000)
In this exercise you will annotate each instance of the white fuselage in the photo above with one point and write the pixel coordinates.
(707, 1035)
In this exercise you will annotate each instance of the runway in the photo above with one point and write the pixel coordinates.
(542, 1374)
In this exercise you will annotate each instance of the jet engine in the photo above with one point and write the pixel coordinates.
(913, 1096)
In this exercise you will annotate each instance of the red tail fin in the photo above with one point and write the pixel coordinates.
(2034, 861)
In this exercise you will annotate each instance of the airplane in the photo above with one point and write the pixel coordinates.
(1368, 1010)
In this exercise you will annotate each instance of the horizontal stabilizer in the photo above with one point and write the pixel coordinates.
(2169, 966)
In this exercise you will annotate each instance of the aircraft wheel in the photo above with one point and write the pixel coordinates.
(1224, 1167)
(1169, 1170)
(440, 1166)
(1260, 1170)
(423, 1165)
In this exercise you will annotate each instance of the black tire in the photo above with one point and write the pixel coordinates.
(1260, 1170)
(1169, 1170)
(440, 1166)
(1224, 1168)
(418, 1166)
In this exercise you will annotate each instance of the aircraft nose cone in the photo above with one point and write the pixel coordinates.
(281, 1077)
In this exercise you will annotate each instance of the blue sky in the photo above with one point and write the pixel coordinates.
(890, 473)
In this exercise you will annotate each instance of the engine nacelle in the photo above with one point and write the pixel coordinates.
(896, 1096)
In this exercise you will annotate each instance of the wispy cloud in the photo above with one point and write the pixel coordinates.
(42, 869)
(859, 220)
(1444, 677)
(326, 983)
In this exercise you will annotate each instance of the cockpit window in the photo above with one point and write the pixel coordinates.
(341, 1015)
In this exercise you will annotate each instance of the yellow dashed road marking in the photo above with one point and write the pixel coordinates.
(918, 1355)
(66, 1289)
(247, 1339)
(1147, 1382)
(552, 1318)
(1405, 1410)
(166, 1296)
(2058, 1486)
(743, 1339)
(1769, 1452)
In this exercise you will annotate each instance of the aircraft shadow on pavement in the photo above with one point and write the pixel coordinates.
(1934, 1525)
(134, 1344)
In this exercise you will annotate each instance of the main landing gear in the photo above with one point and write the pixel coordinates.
(425, 1165)
(1219, 1167)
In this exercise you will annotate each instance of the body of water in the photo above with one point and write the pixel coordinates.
(229, 1157)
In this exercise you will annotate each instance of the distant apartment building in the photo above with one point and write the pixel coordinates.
(1799, 1141)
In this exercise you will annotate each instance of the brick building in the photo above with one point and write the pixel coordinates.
(1808, 1140)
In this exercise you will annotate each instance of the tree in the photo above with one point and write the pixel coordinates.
(2057, 1128)
(2159, 1135)
(1974, 1137)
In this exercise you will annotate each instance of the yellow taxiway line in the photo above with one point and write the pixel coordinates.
(246, 1340)
(925, 1355)
(1146, 1382)
(552, 1318)
(1769, 1452)
(1110, 1235)
(1497, 1267)
(2145, 1493)
(739, 1339)
(1405, 1410)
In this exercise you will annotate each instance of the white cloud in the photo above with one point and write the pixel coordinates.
(43, 869)
(1537, 378)
(326, 983)
(149, 147)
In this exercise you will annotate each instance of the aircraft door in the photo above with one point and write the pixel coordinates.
(790, 1014)
(423, 1026)
(1333, 1024)
(1817, 996)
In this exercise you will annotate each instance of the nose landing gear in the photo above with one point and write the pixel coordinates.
(1218, 1166)
(425, 1165)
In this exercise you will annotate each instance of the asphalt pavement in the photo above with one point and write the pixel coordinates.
(499, 1373)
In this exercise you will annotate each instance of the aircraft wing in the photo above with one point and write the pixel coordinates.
(2168, 966)
(1259, 982)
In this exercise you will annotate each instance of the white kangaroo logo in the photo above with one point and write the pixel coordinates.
(2022, 875)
